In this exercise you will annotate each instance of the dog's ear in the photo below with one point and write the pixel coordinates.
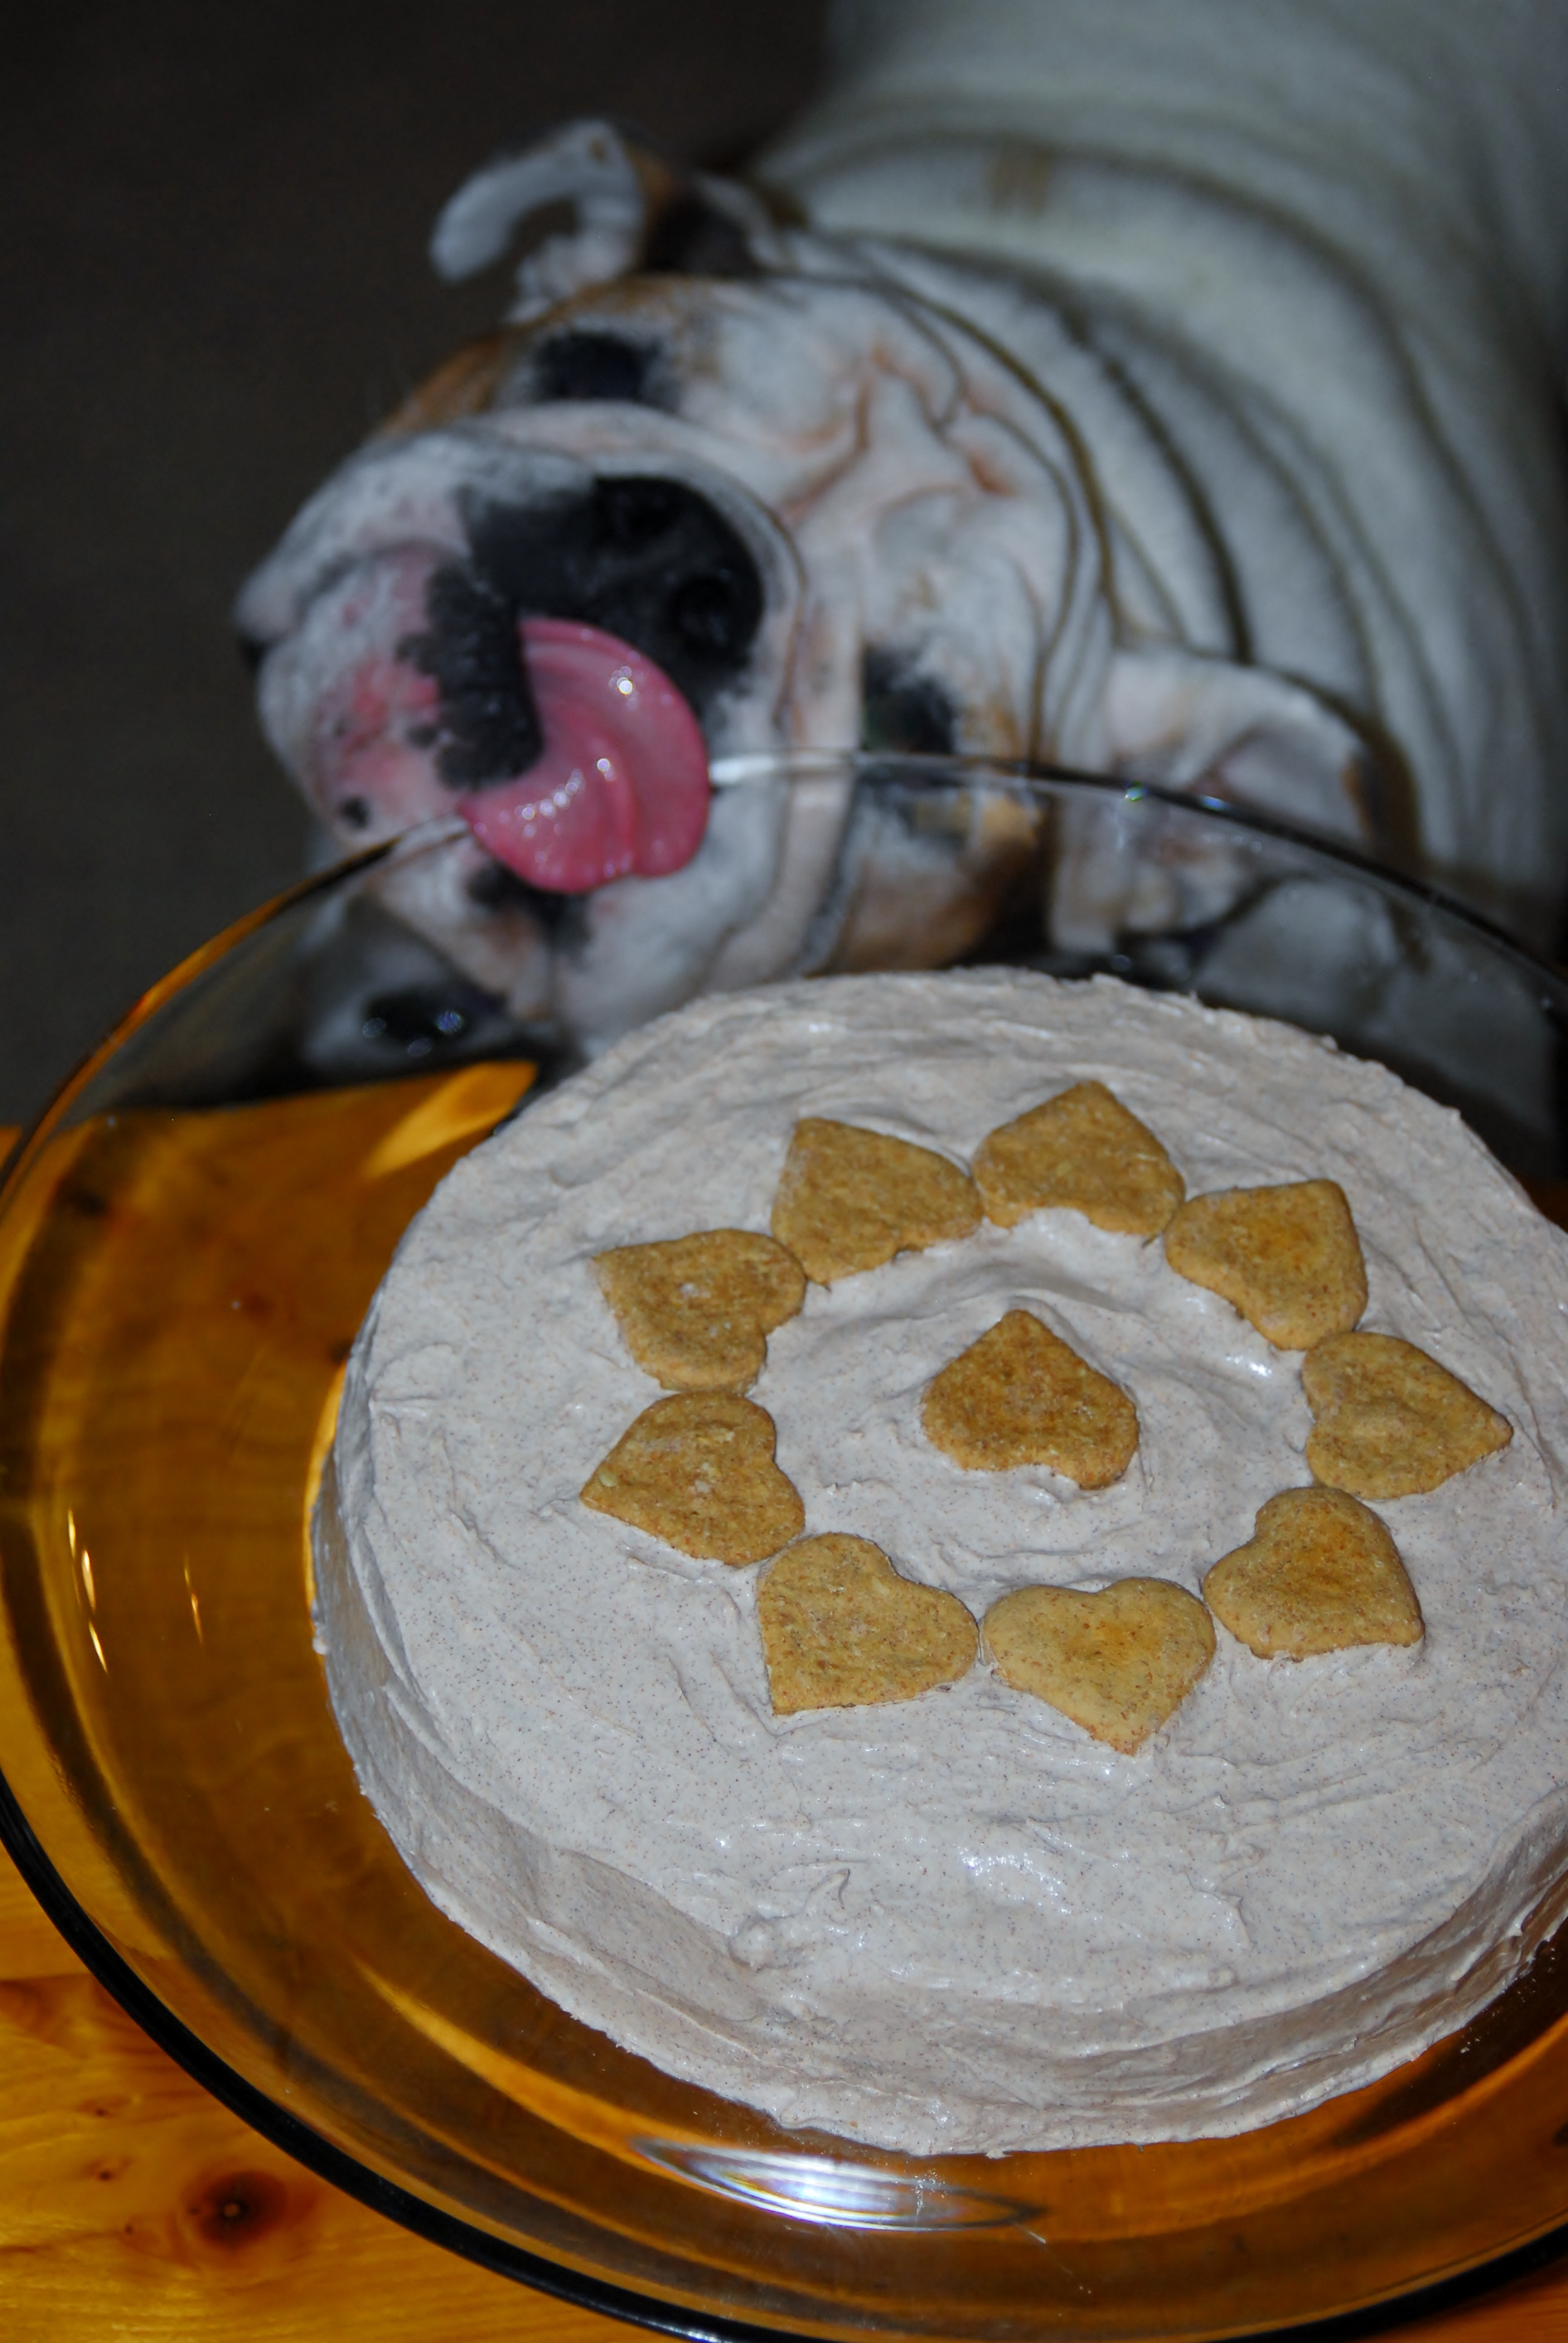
(1254, 737)
(608, 202)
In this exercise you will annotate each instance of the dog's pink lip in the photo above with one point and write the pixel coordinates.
(621, 786)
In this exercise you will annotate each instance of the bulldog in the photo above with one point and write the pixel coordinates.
(1158, 392)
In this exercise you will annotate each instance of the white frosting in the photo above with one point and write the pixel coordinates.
(956, 1923)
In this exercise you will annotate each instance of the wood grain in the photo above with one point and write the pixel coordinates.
(132, 2205)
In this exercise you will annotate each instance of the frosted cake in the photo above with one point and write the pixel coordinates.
(958, 1920)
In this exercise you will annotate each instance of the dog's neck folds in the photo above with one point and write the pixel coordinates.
(1323, 244)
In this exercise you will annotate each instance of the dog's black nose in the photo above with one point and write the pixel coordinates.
(424, 1019)
(646, 560)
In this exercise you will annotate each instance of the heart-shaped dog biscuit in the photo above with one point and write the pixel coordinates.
(1390, 1421)
(1288, 1258)
(697, 1471)
(1082, 1149)
(848, 1200)
(697, 1312)
(841, 1629)
(1320, 1573)
(1118, 1662)
(1021, 1395)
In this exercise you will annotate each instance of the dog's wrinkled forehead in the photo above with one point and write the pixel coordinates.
(792, 376)
(929, 495)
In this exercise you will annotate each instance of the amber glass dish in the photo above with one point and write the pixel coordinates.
(188, 1243)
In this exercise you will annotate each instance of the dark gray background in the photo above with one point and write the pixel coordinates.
(213, 282)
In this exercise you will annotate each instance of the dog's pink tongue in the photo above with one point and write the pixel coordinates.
(622, 782)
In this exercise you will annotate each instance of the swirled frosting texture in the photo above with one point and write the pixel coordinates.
(956, 1923)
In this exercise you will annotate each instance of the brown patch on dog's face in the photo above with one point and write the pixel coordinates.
(462, 385)
(962, 867)
(930, 921)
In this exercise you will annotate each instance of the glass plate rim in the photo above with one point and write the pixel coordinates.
(285, 2130)
(927, 767)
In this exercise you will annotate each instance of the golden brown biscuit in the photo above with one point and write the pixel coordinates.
(849, 1199)
(1082, 1149)
(840, 1628)
(1390, 1421)
(697, 1471)
(1021, 1395)
(697, 1312)
(1288, 1258)
(1118, 1662)
(1320, 1573)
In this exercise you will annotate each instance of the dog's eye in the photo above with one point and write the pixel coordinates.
(692, 239)
(594, 366)
(903, 710)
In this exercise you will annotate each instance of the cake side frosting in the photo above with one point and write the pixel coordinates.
(954, 1922)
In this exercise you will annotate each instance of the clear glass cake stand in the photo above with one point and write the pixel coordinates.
(187, 1242)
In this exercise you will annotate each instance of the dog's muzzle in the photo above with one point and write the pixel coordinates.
(545, 677)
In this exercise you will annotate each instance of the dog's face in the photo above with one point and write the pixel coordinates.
(825, 514)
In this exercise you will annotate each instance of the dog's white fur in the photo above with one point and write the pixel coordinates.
(1175, 384)
(1326, 244)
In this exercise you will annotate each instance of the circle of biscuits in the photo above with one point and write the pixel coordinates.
(840, 1626)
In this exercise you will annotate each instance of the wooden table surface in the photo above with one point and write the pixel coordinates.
(134, 2206)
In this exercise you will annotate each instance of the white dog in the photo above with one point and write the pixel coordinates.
(1167, 387)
